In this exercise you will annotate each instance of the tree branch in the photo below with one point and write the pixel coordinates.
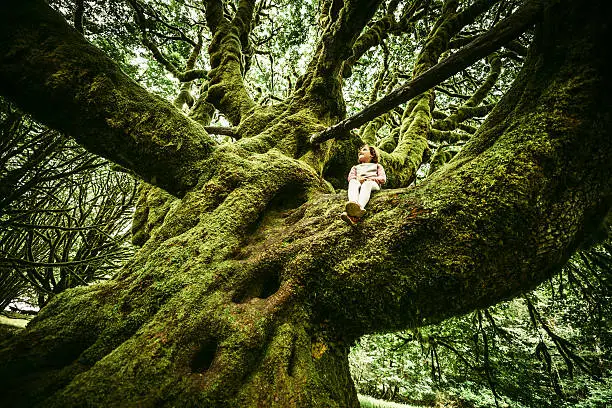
(45, 63)
(501, 34)
(322, 84)
(221, 130)
(157, 55)
(227, 92)
(79, 11)
(381, 29)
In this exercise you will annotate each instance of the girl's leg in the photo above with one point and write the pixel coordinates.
(364, 194)
(353, 190)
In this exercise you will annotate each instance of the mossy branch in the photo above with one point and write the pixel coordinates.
(185, 96)
(402, 164)
(44, 62)
(517, 47)
(380, 78)
(221, 130)
(451, 94)
(439, 115)
(470, 108)
(487, 85)
(450, 136)
(463, 113)
(373, 36)
(321, 86)
(227, 91)
(202, 111)
(442, 156)
(79, 12)
(499, 35)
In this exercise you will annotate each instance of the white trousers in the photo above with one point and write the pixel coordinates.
(361, 192)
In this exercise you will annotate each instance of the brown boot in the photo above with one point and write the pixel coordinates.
(352, 221)
(353, 209)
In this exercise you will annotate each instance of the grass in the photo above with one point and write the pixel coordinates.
(369, 402)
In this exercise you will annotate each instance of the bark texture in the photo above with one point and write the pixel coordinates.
(248, 290)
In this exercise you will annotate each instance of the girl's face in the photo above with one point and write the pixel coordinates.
(364, 154)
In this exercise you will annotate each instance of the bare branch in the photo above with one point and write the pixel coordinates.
(381, 29)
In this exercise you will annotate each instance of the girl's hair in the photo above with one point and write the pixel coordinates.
(373, 153)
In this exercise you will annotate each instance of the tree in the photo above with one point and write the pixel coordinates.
(64, 214)
(249, 289)
(549, 348)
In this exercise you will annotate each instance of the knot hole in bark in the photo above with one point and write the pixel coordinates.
(263, 282)
(204, 357)
(285, 201)
(262, 286)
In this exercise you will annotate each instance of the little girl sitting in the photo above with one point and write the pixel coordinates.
(363, 178)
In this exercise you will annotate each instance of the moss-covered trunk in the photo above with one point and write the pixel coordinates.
(249, 289)
(201, 317)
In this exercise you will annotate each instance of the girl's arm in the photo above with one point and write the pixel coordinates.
(381, 176)
(352, 174)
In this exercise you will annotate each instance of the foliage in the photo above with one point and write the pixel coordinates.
(369, 402)
(552, 348)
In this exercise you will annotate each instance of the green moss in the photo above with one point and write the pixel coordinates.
(174, 329)
(227, 91)
(401, 165)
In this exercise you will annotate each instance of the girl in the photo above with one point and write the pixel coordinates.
(363, 178)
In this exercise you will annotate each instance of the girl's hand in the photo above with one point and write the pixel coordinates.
(361, 179)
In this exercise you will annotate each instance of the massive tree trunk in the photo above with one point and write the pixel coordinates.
(248, 289)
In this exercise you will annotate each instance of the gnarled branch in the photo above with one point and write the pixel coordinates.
(44, 63)
(499, 35)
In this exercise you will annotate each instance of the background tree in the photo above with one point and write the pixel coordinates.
(248, 290)
(64, 215)
(550, 348)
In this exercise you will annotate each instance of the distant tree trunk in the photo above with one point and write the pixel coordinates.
(249, 290)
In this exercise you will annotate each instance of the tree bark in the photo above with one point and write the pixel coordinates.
(250, 291)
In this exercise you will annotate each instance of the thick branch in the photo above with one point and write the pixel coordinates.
(505, 214)
(322, 84)
(343, 33)
(403, 162)
(44, 63)
(227, 92)
(503, 32)
(463, 113)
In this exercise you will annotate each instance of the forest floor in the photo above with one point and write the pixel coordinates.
(370, 402)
